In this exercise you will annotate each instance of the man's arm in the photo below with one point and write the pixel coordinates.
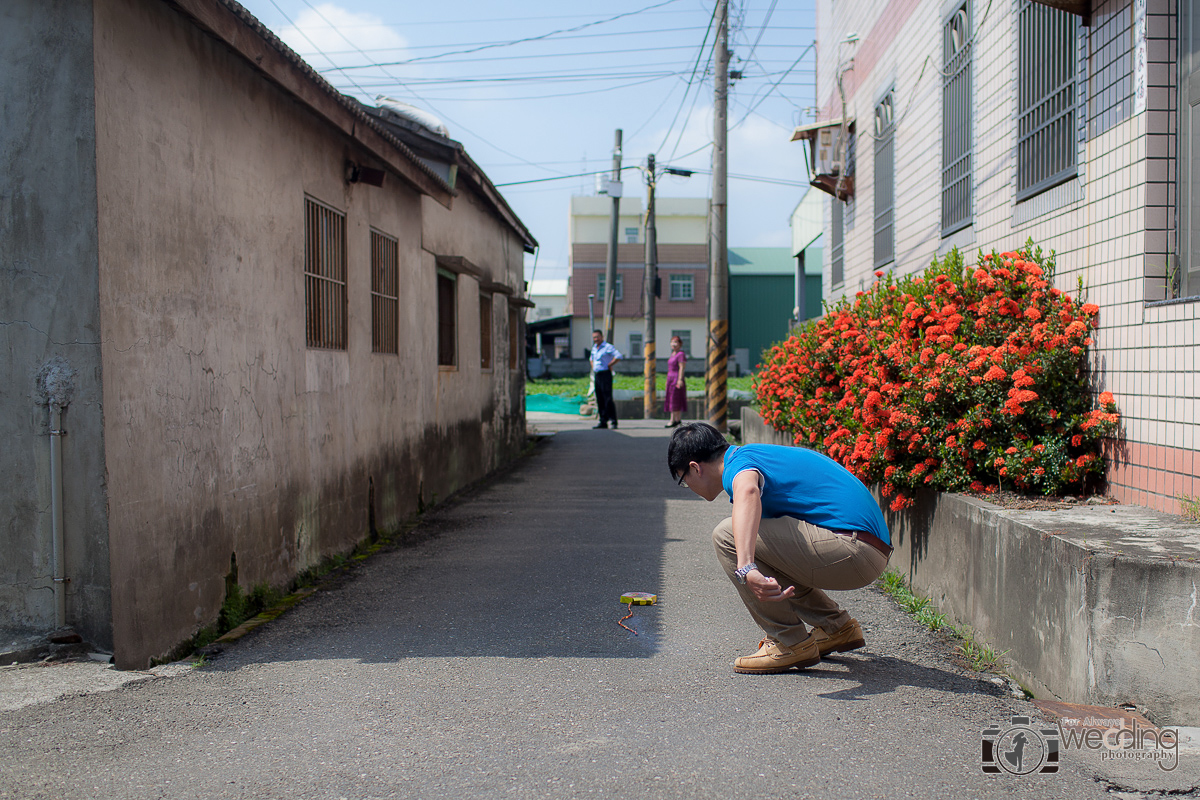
(747, 512)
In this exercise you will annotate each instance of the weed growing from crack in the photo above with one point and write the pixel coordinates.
(1190, 506)
(980, 656)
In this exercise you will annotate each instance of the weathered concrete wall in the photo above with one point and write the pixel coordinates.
(227, 434)
(494, 397)
(49, 315)
(1094, 605)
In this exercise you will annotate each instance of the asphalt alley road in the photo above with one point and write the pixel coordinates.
(486, 661)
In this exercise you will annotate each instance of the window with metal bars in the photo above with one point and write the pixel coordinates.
(956, 121)
(600, 285)
(837, 271)
(682, 287)
(385, 293)
(885, 181)
(324, 275)
(447, 303)
(485, 331)
(1046, 98)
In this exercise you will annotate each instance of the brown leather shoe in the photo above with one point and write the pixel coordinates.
(775, 657)
(847, 637)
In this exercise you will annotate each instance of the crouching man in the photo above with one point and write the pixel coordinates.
(801, 524)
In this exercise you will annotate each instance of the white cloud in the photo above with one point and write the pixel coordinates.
(340, 35)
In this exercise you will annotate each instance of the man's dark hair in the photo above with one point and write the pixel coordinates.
(599, 332)
(694, 441)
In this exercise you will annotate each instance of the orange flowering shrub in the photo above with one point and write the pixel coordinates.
(958, 378)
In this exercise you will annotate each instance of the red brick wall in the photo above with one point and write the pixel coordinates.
(590, 260)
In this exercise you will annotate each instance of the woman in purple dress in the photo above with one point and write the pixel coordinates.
(676, 398)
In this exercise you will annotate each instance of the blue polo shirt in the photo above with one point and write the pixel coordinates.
(807, 485)
(603, 355)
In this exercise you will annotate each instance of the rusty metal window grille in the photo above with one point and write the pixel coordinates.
(485, 331)
(447, 302)
(837, 271)
(1046, 98)
(514, 339)
(385, 293)
(885, 181)
(956, 121)
(324, 275)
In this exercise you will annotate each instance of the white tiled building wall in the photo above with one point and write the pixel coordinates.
(1113, 226)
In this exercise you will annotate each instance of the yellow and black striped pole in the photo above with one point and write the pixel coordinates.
(717, 373)
(718, 279)
(650, 368)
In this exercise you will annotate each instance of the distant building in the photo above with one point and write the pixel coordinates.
(549, 298)
(808, 249)
(681, 308)
(762, 301)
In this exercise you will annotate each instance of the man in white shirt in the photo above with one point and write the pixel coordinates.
(604, 355)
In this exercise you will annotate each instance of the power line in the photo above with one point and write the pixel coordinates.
(762, 30)
(396, 81)
(785, 74)
(546, 35)
(691, 80)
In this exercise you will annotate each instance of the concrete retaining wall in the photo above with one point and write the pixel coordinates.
(1094, 604)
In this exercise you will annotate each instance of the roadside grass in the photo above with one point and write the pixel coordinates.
(577, 386)
(1190, 506)
(264, 602)
(978, 655)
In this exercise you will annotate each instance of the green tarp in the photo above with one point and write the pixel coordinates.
(553, 403)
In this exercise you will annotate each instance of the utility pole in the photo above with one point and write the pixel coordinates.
(648, 394)
(610, 274)
(718, 278)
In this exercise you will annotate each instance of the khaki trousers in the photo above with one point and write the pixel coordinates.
(808, 557)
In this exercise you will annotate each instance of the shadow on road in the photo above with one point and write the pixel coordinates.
(531, 565)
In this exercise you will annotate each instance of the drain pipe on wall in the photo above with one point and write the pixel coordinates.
(56, 515)
(55, 385)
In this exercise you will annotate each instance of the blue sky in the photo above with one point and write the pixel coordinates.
(535, 90)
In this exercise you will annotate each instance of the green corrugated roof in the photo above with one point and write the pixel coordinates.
(761, 261)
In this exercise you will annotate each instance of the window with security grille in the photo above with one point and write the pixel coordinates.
(485, 331)
(956, 121)
(683, 287)
(385, 293)
(837, 268)
(1046, 98)
(635, 346)
(324, 275)
(447, 302)
(885, 181)
(1183, 277)
(600, 281)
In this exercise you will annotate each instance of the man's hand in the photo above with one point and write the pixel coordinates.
(765, 588)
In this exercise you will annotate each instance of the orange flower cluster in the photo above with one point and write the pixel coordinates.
(957, 378)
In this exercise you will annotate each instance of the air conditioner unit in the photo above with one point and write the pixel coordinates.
(829, 145)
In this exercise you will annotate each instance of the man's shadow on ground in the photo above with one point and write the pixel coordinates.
(878, 675)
